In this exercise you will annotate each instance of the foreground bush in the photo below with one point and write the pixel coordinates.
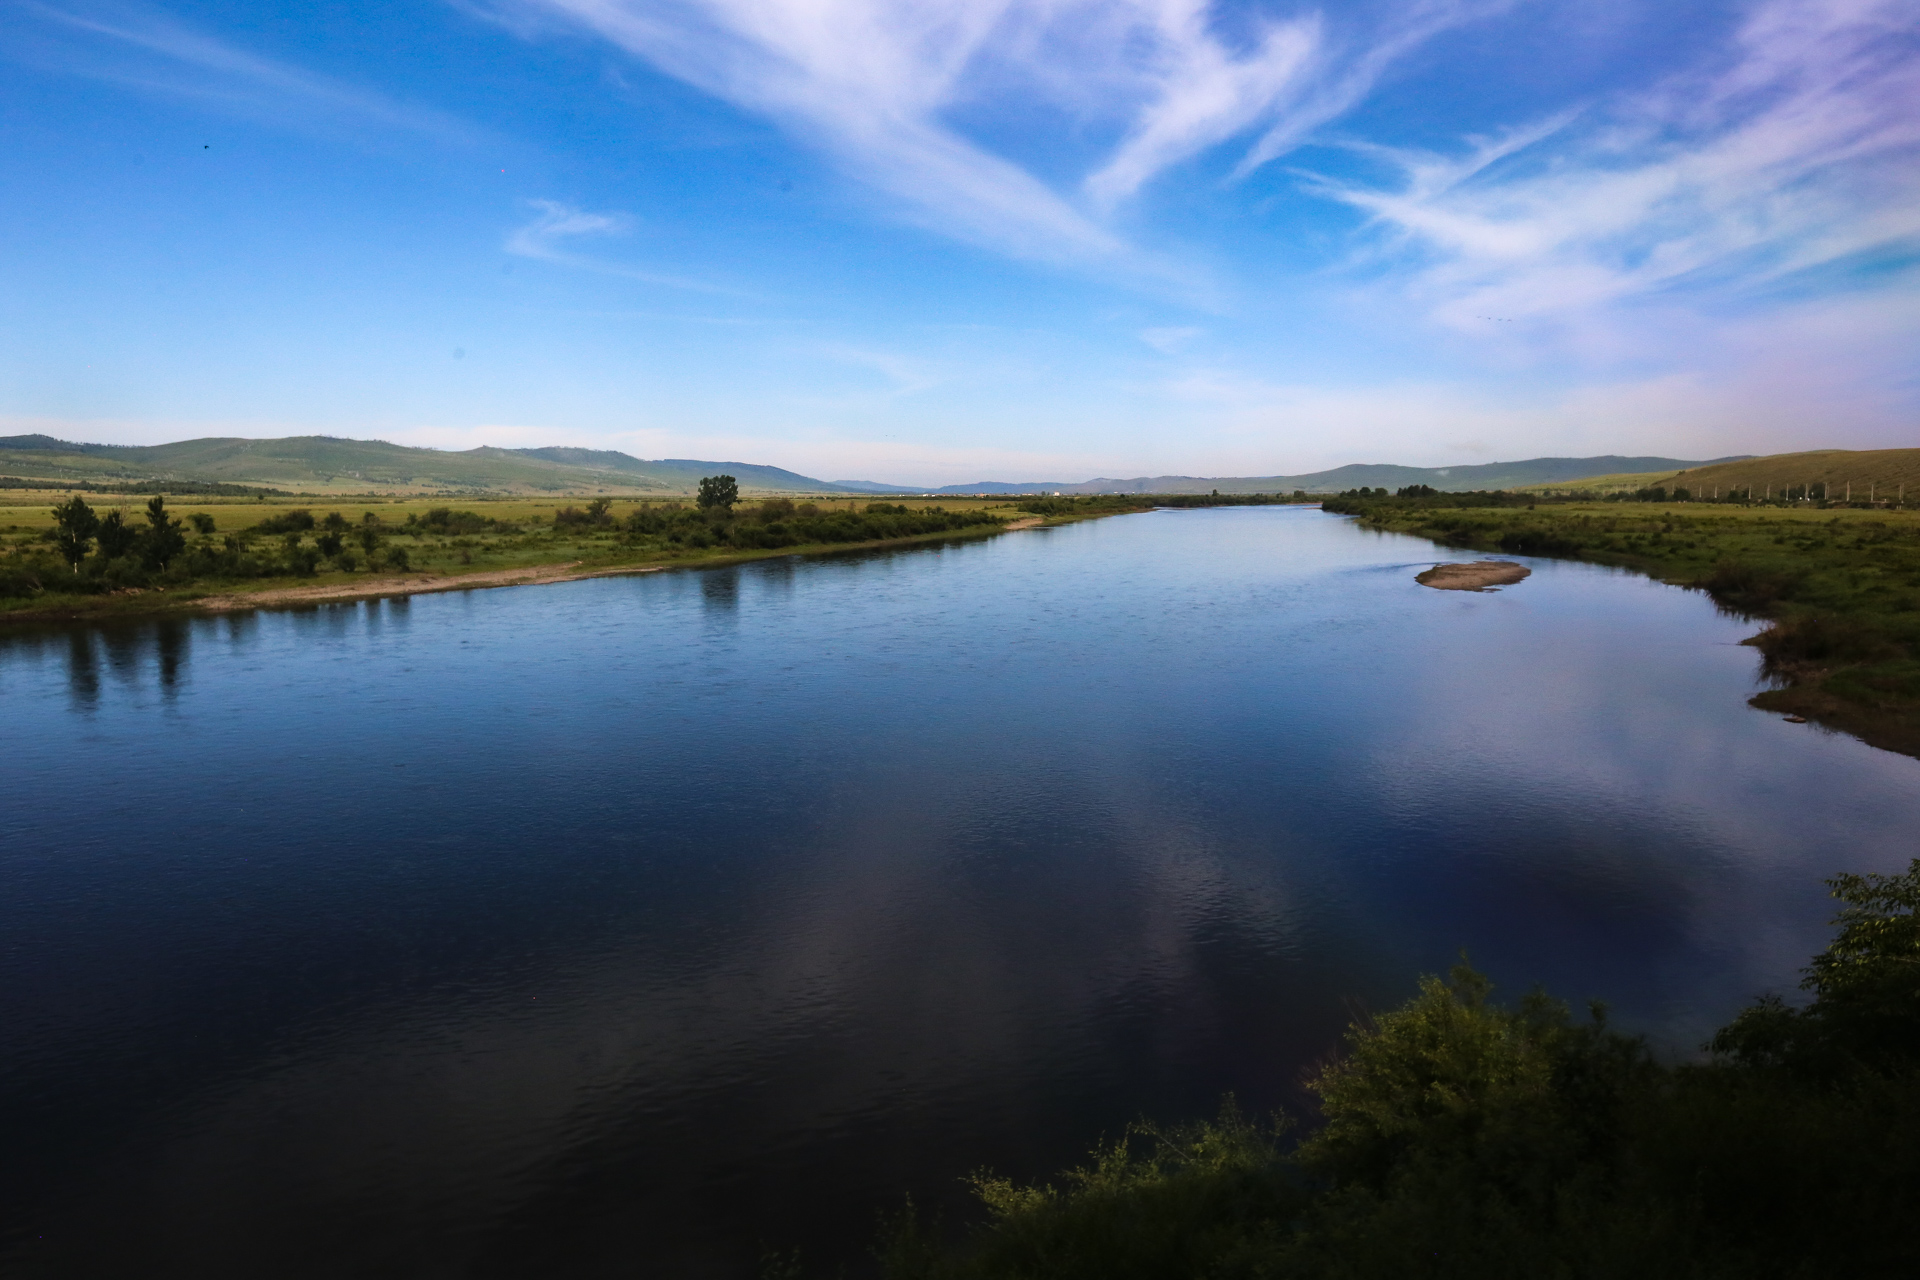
(1462, 1138)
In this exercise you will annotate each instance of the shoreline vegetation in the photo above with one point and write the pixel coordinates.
(1458, 1138)
(76, 562)
(1836, 581)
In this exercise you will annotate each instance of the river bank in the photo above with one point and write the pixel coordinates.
(1839, 585)
(222, 596)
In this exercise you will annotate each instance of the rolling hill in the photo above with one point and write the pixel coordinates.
(330, 465)
(1879, 473)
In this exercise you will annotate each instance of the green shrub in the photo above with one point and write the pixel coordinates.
(1459, 1138)
(17, 583)
(299, 521)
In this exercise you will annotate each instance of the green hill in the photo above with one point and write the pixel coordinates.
(1879, 473)
(681, 473)
(1884, 474)
(326, 464)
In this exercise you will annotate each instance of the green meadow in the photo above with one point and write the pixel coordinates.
(381, 545)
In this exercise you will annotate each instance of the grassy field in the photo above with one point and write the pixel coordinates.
(1841, 585)
(251, 549)
(28, 510)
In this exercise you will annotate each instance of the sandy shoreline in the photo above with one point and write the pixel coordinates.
(1481, 575)
(414, 584)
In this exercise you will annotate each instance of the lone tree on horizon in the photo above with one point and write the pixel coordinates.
(718, 491)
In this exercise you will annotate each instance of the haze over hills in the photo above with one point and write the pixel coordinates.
(332, 465)
(1489, 475)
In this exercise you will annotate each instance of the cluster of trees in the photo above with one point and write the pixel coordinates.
(77, 526)
(1411, 491)
(97, 552)
(1461, 1138)
(1108, 503)
(446, 522)
(598, 515)
(209, 487)
(781, 522)
(1426, 495)
(1359, 501)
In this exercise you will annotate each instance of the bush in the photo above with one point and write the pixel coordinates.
(1537, 542)
(17, 583)
(123, 574)
(1741, 586)
(286, 522)
(596, 516)
(1155, 1203)
(444, 520)
(1463, 1139)
(1818, 639)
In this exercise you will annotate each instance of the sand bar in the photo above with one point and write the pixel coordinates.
(1481, 575)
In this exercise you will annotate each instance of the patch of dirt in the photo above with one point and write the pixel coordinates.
(412, 584)
(1481, 575)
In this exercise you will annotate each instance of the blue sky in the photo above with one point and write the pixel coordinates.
(933, 241)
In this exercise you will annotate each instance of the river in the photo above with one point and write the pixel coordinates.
(636, 926)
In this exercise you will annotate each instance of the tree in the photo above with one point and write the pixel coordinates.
(74, 525)
(163, 538)
(718, 491)
(202, 522)
(117, 537)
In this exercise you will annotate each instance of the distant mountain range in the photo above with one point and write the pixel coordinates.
(330, 464)
(1488, 475)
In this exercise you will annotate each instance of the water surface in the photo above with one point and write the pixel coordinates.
(632, 926)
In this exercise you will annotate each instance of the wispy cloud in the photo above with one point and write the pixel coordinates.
(1170, 339)
(144, 48)
(1797, 149)
(877, 84)
(1343, 77)
(906, 375)
(1204, 93)
(556, 226)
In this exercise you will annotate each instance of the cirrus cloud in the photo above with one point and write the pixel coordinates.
(877, 84)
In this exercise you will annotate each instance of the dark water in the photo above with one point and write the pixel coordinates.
(626, 927)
